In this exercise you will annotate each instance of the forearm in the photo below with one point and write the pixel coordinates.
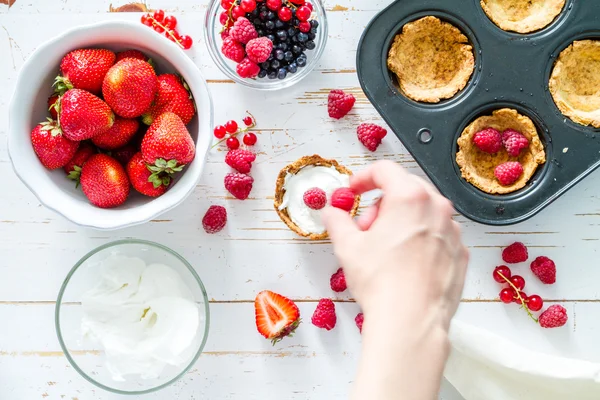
(400, 361)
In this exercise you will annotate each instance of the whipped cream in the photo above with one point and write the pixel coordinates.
(144, 317)
(295, 185)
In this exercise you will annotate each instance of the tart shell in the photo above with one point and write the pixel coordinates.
(522, 16)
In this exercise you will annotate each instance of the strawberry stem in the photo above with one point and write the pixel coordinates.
(242, 130)
(518, 292)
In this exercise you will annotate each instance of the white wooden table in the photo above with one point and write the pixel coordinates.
(257, 251)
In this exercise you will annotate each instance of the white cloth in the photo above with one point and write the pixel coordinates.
(485, 366)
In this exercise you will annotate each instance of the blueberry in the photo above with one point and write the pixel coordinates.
(271, 58)
(310, 45)
(257, 22)
(282, 73)
(270, 15)
(279, 54)
(313, 30)
(302, 37)
(283, 46)
(272, 74)
(279, 24)
(292, 68)
(301, 61)
(296, 49)
(311, 36)
(282, 35)
(291, 31)
(265, 65)
(295, 39)
(271, 37)
(270, 25)
(260, 32)
(314, 23)
(295, 21)
(262, 73)
(275, 64)
(263, 15)
(254, 12)
(289, 56)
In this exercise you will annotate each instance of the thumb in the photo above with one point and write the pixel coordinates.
(339, 224)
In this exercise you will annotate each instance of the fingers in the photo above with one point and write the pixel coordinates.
(340, 226)
(385, 175)
(366, 219)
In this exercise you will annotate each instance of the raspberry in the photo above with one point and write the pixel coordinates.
(514, 142)
(370, 135)
(339, 103)
(215, 219)
(324, 315)
(515, 253)
(338, 281)
(343, 198)
(240, 160)
(243, 31)
(239, 185)
(247, 69)
(315, 198)
(508, 173)
(259, 49)
(554, 317)
(545, 269)
(360, 319)
(232, 50)
(488, 140)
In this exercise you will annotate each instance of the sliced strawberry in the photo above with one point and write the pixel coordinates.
(276, 316)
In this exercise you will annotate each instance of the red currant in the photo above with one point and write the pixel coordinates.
(504, 270)
(304, 26)
(223, 18)
(309, 5)
(220, 131)
(523, 296)
(250, 139)
(507, 295)
(298, 2)
(535, 302)
(233, 143)
(303, 13)
(518, 281)
(159, 28)
(231, 126)
(159, 15)
(274, 5)
(226, 4)
(248, 121)
(285, 14)
(170, 22)
(147, 19)
(237, 12)
(248, 5)
(186, 42)
(172, 36)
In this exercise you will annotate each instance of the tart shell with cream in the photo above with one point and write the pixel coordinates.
(295, 179)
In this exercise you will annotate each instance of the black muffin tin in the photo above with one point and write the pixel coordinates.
(511, 70)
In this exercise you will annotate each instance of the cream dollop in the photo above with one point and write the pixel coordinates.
(144, 317)
(295, 185)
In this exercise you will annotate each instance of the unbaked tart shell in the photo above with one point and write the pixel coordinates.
(477, 167)
(522, 16)
(432, 60)
(293, 169)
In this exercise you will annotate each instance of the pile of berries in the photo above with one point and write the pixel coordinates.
(545, 269)
(491, 141)
(166, 24)
(228, 133)
(267, 38)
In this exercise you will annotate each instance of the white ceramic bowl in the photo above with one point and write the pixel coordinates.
(28, 108)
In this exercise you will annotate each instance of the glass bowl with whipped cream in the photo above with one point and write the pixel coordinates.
(132, 316)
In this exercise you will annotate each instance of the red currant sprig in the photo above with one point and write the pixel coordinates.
(514, 293)
(228, 133)
(160, 24)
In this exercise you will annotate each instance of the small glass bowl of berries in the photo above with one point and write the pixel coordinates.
(266, 44)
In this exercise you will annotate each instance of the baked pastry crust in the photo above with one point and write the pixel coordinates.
(575, 82)
(293, 169)
(477, 167)
(432, 60)
(522, 16)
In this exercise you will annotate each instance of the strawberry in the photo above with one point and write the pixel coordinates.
(276, 316)
(167, 145)
(73, 167)
(52, 106)
(104, 181)
(82, 115)
(124, 154)
(84, 69)
(52, 148)
(118, 135)
(143, 180)
(173, 95)
(129, 87)
(131, 54)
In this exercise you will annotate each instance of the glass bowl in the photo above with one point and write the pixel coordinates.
(86, 355)
(212, 28)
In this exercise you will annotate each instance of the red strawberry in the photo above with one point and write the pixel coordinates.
(73, 167)
(84, 69)
(174, 96)
(132, 54)
(52, 106)
(52, 148)
(129, 87)
(276, 315)
(83, 115)
(124, 154)
(104, 181)
(143, 180)
(118, 135)
(167, 145)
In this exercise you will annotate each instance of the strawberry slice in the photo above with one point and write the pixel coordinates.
(276, 316)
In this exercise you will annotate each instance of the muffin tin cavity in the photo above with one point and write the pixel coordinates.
(522, 16)
(511, 71)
